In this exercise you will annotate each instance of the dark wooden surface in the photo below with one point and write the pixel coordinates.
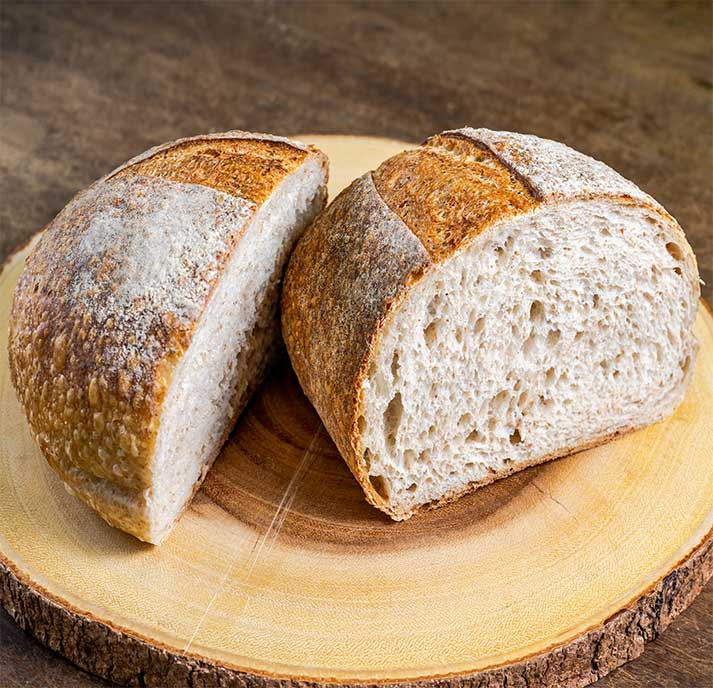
(84, 86)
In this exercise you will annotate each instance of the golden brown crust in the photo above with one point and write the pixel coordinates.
(444, 194)
(249, 168)
(449, 190)
(349, 266)
(91, 357)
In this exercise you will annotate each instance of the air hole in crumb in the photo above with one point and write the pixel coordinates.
(499, 400)
(529, 344)
(434, 304)
(459, 335)
(392, 419)
(395, 365)
(686, 364)
(474, 436)
(381, 487)
(361, 424)
(367, 459)
(537, 276)
(578, 336)
(431, 430)
(537, 311)
(465, 419)
(412, 488)
(674, 250)
(605, 231)
(372, 369)
(409, 458)
(430, 333)
(545, 251)
(424, 456)
(553, 337)
(469, 466)
(479, 325)
(515, 437)
(677, 270)
(596, 300)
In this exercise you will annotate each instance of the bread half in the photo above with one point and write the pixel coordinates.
(147, 315)
(485, 303)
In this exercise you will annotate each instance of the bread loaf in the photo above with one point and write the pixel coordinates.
(485, 303)
(147, 315)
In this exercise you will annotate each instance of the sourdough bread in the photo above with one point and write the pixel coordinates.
(147, 315)
(484, 303)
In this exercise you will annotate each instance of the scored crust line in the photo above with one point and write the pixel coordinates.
(273, 530)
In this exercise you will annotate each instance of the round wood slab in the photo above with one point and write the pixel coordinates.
(281, 573)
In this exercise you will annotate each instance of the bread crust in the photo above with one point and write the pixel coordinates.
(248, 168)
(356, 246)
(91, 377)
(456, 186)
(449, 190)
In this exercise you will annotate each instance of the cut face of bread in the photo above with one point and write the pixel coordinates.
(147, 315)
(486, 302)
(236, 338)
(552, 331)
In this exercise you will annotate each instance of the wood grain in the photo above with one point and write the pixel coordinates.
(280, 573)
(86, 85)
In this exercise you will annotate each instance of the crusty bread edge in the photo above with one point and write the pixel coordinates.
(392, 306)
(112, 511)
(233, 134)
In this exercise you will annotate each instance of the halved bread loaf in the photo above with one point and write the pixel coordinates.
(147, 315)
(484, 303)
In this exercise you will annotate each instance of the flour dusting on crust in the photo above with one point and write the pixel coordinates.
(148, 254)
(552, 169)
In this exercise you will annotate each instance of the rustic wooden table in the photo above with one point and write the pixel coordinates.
(85, 86)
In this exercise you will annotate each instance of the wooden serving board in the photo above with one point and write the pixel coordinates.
(281, 573)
